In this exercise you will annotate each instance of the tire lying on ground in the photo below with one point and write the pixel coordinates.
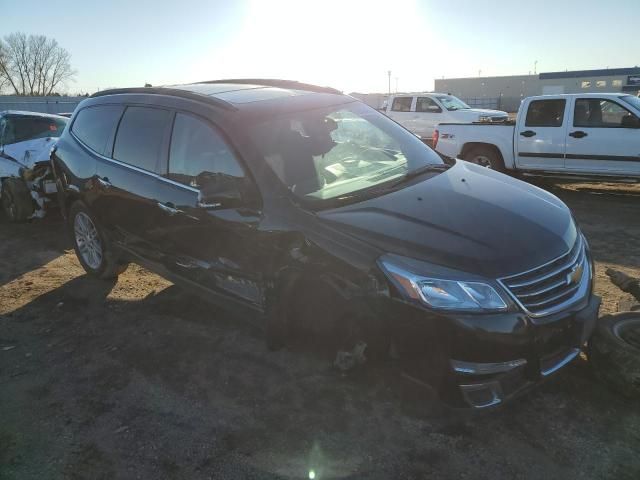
(17, 204)
(615, 352)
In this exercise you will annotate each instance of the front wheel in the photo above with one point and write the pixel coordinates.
(93, 249)
(17, 203)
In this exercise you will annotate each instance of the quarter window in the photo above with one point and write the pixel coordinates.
(196, 150)
(545, 113)
(426, 104)
(600, 113)
(402, 104)
(140, 138)
(94, 126)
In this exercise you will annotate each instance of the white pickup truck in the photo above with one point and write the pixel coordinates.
(564, 136)
(421, 112)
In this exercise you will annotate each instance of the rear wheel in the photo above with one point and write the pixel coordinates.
(93, 249)
(17, 203)
(485, 156)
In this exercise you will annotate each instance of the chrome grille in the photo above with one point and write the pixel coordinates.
(549, 288)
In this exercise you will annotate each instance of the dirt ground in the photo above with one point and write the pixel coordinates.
(139, 380)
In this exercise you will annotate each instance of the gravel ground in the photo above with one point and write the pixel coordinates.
(136, 379)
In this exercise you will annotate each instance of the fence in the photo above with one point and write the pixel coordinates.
(39, 104)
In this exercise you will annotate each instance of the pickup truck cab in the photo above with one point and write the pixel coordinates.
(420, 113)
(566, 136)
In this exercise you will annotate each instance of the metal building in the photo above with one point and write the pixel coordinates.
(506, 93)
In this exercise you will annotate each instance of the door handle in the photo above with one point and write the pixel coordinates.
(169, 208)
(578, 134)
(104, 182)
(528, 133)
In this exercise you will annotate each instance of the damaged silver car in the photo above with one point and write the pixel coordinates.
(27, 185)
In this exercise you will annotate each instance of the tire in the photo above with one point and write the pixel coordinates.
(485, 156)
(95, 252)
(614, 352)
(17, 203)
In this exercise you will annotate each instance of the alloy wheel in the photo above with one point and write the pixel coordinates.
(88, 240)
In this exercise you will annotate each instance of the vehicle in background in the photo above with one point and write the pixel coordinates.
(335, 226)
(420, 113)
(26, 180)
(568, 136)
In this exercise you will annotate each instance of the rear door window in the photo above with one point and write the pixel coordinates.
(402, 104)
(140, 139)
(545, 113)
(94, 126)
(197, 150)
(426, 104)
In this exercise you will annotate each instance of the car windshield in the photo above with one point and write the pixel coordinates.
(452, 103)
(631, 100)
(326, 154)
(29, 128)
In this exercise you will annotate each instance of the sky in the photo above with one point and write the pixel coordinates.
(346, 44)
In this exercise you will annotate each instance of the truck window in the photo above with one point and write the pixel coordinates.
(545, 113)
(401, 104)
(599, 113)
(140, 137)
(426, 104)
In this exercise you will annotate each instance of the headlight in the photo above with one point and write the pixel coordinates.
(484, 118)
(444, 294)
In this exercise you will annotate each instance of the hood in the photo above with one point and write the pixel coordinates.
(30, 152)
(468, 218)
(474, 113)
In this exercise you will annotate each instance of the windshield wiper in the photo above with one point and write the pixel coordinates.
(434, 167)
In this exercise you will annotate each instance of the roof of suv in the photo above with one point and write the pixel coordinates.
(230, 94)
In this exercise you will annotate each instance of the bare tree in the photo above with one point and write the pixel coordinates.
(34, 64)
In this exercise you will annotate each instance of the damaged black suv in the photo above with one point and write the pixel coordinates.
(325, 217)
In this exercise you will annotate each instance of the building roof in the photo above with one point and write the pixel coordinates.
(605, 72)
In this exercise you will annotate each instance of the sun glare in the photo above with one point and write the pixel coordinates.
(349, 45)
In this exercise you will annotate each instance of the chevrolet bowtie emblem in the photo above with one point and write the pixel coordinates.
(574, 276)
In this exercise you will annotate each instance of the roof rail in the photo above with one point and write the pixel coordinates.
(272, 82)
(168, 91)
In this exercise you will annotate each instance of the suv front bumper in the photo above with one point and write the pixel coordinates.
(484, 360)
(546, 349)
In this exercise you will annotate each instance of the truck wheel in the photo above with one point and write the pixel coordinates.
(485, 157)
(93, 248)
(17, 203)
(614, 352)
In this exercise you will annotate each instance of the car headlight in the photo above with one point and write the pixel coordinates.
(484, 118)
(443, 293)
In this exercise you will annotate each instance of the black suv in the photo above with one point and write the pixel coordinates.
(332, 223)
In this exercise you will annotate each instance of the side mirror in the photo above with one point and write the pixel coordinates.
(218, 190)
(630, 121)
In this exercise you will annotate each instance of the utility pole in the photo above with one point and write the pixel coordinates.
(396, 84)
(389, 75)
(535, 67)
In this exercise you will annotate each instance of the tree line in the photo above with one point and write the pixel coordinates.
(33, 65)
